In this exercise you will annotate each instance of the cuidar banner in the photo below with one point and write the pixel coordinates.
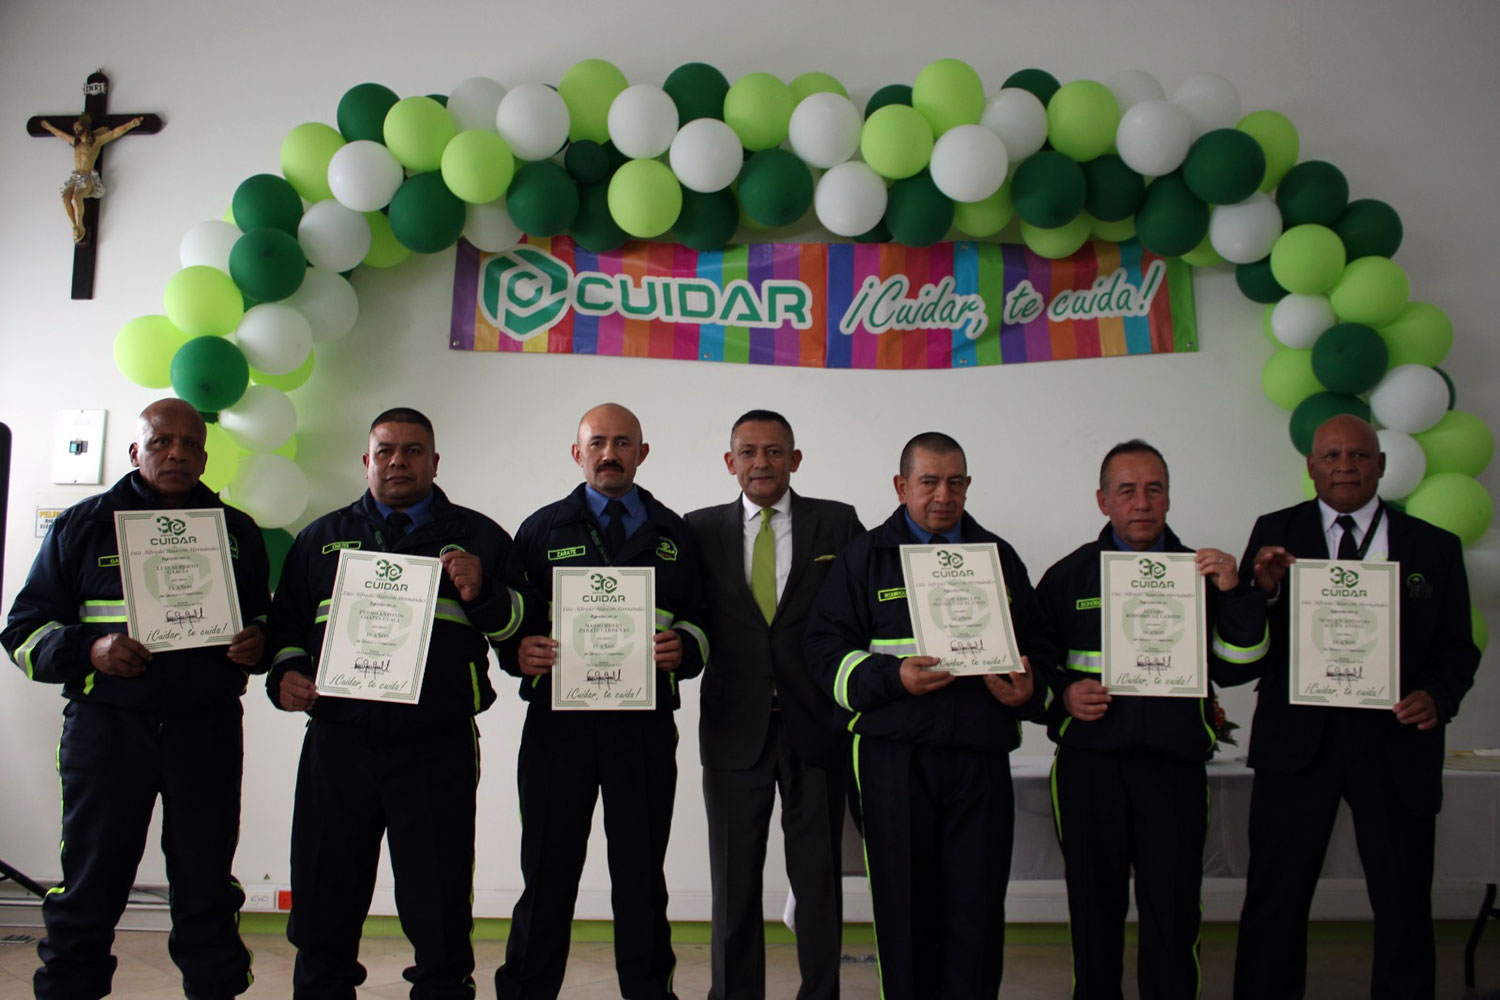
(823, 305)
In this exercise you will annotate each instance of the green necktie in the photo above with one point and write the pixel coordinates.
(763, 566)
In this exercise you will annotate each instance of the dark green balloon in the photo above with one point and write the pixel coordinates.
(362, 111)
(916, 212)
(266, 200)
(1452, 389)
(593, 227)
(1038, 81)
(587, 162)
(1313, 191)
(614, 157)
(1048, 189)
(278, 544)
(267, 264)
(440, 98)
(891, 93)
(776, 187)
(1224, 167)
(698, 90)
(1369, 228)
(210, 373)
(543, 199)
(1172, 220)
(1349, 358)
(1311, 413)
(1114, 190)
(425, 216)
(1257, 283)
(880, 234)
(707, 221)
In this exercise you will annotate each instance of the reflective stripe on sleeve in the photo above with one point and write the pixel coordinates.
(1086, 661)
(289, 653)
(323, 609)
(841, 679)
(698, 636)
(96, 612)
(1241, 654)
(450, 611)
(23, 652)
(894, 647)
(517, 612)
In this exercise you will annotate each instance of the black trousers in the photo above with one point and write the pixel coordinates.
(353, 788)
(1123, 809)
(567, 759)
(938, 828)
(1291, 817)
(113, 763)
(739, 806)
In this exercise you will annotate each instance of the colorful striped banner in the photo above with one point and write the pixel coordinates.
(823, 305)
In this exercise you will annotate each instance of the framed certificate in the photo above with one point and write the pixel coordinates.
(1345, 633)
(960, 609)
(604, 621)
(379, 624)
(177, 578)
(1152, 625)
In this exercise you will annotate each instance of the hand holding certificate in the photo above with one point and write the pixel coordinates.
(177, 578)
(603, 619)
(1154, 630)
(1345, 633)
(959, 611)
(379, 623)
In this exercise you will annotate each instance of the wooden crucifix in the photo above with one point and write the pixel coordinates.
(87, 134)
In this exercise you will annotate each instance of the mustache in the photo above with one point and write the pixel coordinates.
(610, 464)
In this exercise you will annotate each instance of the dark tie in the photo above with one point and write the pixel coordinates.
(1347, 548)
(400, 523)
(614, 531)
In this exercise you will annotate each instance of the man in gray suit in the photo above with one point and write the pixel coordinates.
(765, 725)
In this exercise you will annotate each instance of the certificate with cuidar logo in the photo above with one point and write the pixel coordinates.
(1153, 629)
(379, 623)
(604, 621)
(1345, 633)
(960, 609)
(177, 578)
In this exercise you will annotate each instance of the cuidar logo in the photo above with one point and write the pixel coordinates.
(170, 526)
(524, 291)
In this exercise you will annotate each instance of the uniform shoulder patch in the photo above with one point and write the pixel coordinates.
(666, 550)
(335, 546)
(571, 552)
(1088, 604)
(891, 594)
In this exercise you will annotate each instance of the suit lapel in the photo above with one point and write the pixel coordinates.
(803, 530)
(732, 545)
(1307, 537)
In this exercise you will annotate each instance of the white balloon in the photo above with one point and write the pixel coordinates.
(850, 199)
(489, 227)
(328, 302)
(1405, 464)
(1299, 320)
(706, 155)
(363, 175)
(1133, 86)
(274, 337)
(208, 243)
(1482, 560)
(263, 419)
(824, 130)
(642, 121)
(1209, 100)
(270, 488)
(473, 103)
(1410, 398)
(1020, 120)
(969, 163)
(334, 236)
(533, 121)
(1153, 137)
(1244, 233)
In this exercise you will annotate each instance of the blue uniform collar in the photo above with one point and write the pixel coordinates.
(953, 536)
(635, 507)
(419, 512)
(1160, 545)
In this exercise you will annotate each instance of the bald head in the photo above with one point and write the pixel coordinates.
(169, 449)
(609, 448)
(1346, 462)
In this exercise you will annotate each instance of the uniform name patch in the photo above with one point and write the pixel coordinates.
(107, 561)
(553, 555)
(335, 546)
(893, 594)
(666, 550)
(1088, 604)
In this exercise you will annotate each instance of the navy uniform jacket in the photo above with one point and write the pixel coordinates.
(1069, 594)
(565, 534)
(860, 631)
(74, 595)
(456, 683)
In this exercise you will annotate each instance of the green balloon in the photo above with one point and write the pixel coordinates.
(477, 166)
(1257, 283)
(1312, 192)
(1048, 189)
(877, 234)
(891, 93)
(1349, 358)
(1454, 502)
(645, 198)
(305, 154)
(223, 457)
(1277, 138)
(916, 212)
(425, 216)
(1038, 81)
(278, 544)
(594, 228)
(707, 221)
(416, 131)
(587, 162)
(1082, 118)
(984, 218)
(1460, 442)
(266, 200)
(543, 199)
(1307, 259)
(588, 89)
(210, 373)
(385, 249)
(1112, 232)
(1224, 166)
(294, 379)
(203, 301)
(759, 108)
(1172, 220)
(362, 111)
(1372, 290)
(1203, 255)
(144, 348)
(1288, 378)
(267, 264)
(1114, 191)
(813, 82)
(1478, 628)
(947, 93)
(1452, 389)
(698, 90)
(775, 188)
(1055, 244)
(896, 141)
(1369, 228)
(1420, 334)
(1311, 413)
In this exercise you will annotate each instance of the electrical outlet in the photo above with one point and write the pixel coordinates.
(260, 898)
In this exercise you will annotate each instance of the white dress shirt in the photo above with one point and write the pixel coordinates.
(1379, 546)
(781, 527)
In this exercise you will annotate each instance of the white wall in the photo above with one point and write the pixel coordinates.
(1399, 96)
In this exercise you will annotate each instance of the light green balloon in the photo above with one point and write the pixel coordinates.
(815, 83)
(1307, 259)
(1455, 502)
(1309, 488)
(1278, 140)
(1082, 118)
(1267, 328)
(305, 154)
(287, 451)
(1288, 378)
(759, 108)
(1203, 255)
(1421, 334)
(896, 141)
(1372, 291)
(203, 301)
(984, 218)
(645, 198)
(293, 379)
(478, 166)
(1062, 241)
(223, 458)
(144, 349)
(1113, 232)
(385, 249)
(588, 89)
(947, 93)
(1460, 442)
(416, 130)
(1479, 628)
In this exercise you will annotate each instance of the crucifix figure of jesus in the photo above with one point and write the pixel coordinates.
(84, 181)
